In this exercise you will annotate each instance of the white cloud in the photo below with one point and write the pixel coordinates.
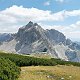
(18, 15)
(47, 3)
(14, 17)
(73, 13)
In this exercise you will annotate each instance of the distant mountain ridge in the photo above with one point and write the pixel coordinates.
(32, 38)
(5, 37)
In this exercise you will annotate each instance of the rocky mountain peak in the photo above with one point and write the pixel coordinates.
(35, 24)
(29, 33)
(29, 25)
(32, 38)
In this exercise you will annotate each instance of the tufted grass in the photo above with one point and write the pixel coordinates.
(58, 72)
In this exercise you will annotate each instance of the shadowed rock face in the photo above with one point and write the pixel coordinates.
(74, 46)
(68, 42)
(28, 36)
(69, 54)
(5, 37)
(56, 36)
(31, 38)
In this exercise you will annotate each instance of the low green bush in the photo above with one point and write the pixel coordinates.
(68, 63)
(21, 60)
(8, 70)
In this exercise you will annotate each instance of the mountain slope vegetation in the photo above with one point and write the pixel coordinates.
(8, 70)
(24, 60)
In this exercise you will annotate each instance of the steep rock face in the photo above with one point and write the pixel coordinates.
(31, 38)
(74, 46)
(68, 42)
(29, 35)
(55, 36)
(69, 55)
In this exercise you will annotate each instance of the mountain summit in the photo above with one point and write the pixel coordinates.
(32, 38)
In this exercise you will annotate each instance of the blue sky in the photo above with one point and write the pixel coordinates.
(62, 15)
(55, 5)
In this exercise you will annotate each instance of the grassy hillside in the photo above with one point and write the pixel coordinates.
(50, 73)
(33, 68)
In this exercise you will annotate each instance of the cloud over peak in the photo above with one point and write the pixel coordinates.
(19, 13)
(14, 17)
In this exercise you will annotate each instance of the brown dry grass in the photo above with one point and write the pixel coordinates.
(50, 73)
